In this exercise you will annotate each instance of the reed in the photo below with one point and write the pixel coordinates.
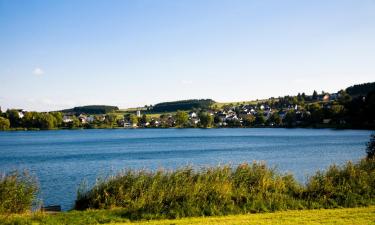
(18, 192)
(224, 190)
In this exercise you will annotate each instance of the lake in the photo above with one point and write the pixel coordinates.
(61, 159)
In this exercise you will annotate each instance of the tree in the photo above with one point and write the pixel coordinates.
(315, 95)
(110, 119)
(260, 119)
(274, 119)
(344, 97)
(4, 123)
(133, 119)
(75, 123)
(143, 119)
(46, 121)
(58, 118)
(248, 120)
(14, 118)
(206, 119)
(290, 118)
(181, 118)
(316, 112)
(370, 150)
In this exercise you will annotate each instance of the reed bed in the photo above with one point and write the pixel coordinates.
(223, 190)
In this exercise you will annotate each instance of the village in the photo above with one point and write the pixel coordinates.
(287, 111)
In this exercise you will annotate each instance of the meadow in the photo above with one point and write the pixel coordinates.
(357, 216)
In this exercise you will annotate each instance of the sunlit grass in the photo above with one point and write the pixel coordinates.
(353, 216)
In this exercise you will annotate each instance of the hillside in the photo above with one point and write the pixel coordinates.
(182, 105)
(91, 109)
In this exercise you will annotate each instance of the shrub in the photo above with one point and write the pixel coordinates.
(370, 150)
(17, 192)
(350, 185)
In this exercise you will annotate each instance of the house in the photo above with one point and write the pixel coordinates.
(282, 114)
(326, 121)
(138, 113)
(333, 96)
(192, 114)
(82, 118)
(231, 118)
(21, 113)
(127, 124)
(90, 119)
(194, 121)
(326, 97)
(67, 119)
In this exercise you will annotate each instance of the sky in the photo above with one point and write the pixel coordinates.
(60, 54)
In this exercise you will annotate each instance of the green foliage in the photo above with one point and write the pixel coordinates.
(183, 105)
(185, 192)
(47, 121)
(134, 119)
(206, 120)
(248, 120)
(361, 89)
(290, 118)
(315, 95)
(13, 116)
(32, 120)
(260, 119)
(274, 119)
(17, 192)
(4, 123)
(92, 109)
(350, 185)
(144, 119)
(370, 150)
(181, 118)
(225, 190)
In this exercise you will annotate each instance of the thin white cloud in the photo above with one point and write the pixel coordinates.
(38, 71)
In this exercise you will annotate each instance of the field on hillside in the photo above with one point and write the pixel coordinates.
(353, 216)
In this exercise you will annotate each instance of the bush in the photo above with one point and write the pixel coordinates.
(370, 150)
(4, 123)
(350, 185)
(17, 192)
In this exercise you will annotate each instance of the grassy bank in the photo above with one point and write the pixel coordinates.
(219, 191)
(357, 216)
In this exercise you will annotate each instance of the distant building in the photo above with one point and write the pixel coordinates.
(192, 115)
(138, 113)
(67, 119)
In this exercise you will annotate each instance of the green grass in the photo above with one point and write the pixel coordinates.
(253, 102)
(355, 216)
(225, 190)
(18, 192)
(352, 216)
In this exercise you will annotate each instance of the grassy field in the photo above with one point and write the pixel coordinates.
(354, 216)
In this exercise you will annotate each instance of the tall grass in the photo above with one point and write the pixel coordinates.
(225, 190)
(18, 192)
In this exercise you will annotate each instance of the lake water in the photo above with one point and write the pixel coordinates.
(61, 159)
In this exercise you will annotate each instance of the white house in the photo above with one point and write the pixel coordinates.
(67, 119)
(192, 115)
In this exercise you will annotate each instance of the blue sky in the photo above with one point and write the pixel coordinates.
(59, 54)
